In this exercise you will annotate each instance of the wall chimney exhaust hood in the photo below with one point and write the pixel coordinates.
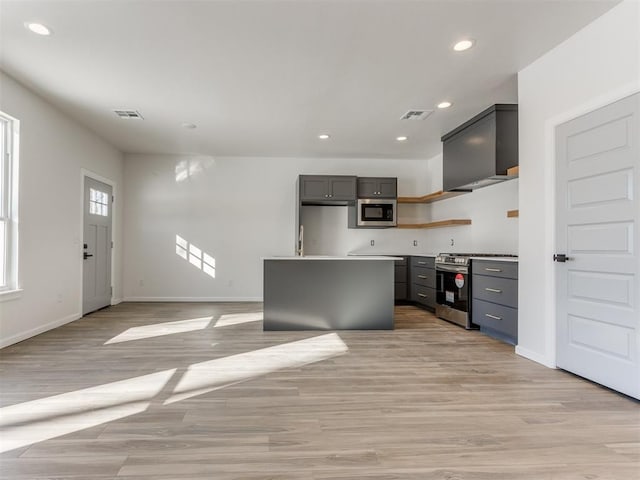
(479, 152)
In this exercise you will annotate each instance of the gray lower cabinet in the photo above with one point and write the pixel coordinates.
(494, 292)
(423, 281)
(400, 280)
(327, 189)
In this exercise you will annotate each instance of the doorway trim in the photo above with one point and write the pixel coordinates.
(84, 173)
(548, 357)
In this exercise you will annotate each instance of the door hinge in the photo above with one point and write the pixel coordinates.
(113, 198)
(111, 243)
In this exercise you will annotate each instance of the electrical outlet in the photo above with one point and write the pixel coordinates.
(373, 242)
(415, 243)
(452, 242)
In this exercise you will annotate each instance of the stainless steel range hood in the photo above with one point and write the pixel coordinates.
(479, 152)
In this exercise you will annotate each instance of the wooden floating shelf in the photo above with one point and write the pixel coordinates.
(513, 213)
(441, 223)
(430, 198)
(513, 171)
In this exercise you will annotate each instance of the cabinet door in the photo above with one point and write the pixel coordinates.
(342, 188)
(377, 187)
(367, 187)
(387, 188)
(314, 187)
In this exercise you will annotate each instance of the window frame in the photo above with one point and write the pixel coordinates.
(9, 202)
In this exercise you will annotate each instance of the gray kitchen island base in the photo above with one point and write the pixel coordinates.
(328, 293)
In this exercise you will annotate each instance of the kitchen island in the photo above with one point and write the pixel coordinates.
(328, 293)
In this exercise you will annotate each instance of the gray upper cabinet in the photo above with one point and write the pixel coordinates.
(327, 190)
(377, 187)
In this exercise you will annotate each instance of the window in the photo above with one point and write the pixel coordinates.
(98, 202)
(8, 203)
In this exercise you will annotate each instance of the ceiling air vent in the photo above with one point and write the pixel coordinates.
(416, 114)
(125, 113)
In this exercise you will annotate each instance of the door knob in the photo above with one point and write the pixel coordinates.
(86, 255)
(561, 257)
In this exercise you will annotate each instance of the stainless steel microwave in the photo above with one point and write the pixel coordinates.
(376, 212)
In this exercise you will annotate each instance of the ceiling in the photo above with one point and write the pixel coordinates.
(264, 78)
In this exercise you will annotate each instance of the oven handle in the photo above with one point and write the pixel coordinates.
(452, 268)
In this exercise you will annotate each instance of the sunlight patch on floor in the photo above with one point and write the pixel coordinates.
(161, 329)
(212, 375)
(238, 318)
(30, 422)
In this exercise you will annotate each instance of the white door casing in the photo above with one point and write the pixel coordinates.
(97, 245)
(597, 218)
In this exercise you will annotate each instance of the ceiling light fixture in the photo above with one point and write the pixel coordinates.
(463, 45)
(402, 138)
(38, 28)
(444, 104)
(324, 136)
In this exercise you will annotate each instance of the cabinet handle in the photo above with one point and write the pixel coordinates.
(495, 317)
(422, 295)
(493, 269)
(424, 277)
(494, 290)
(422, 263)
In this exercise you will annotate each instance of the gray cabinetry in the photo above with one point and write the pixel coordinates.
(400, 280)
(327, 190)
(423, 281)
(377, 187)
(495, 298)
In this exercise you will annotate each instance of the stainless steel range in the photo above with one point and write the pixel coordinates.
(453, 286)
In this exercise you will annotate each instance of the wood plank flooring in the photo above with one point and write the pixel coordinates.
(199, 391)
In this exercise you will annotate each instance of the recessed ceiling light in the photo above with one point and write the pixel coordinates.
(38, 28)
(444, 104)
(463, 45)
(324, 136)
(402, 138)
(190, 126)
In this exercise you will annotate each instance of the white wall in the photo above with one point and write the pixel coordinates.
(598, 65)
(235, 209)
(238, 210)
(53, 150)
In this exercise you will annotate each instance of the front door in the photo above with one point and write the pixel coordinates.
(96, 271)
(598, 214)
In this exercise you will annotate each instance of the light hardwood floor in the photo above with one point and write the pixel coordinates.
(199, 391)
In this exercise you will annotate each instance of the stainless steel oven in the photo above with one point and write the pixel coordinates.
(453, 289)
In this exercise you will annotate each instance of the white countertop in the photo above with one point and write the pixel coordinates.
(330, 257)
(394, 254)
(496, 259)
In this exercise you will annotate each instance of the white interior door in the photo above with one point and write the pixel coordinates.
(96, 270)
(598, 210)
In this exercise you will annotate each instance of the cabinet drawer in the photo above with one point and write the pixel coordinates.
(423, 295)
(495, 269)
(503, 291)
(496, 317)
(424, 276)
(424, 262)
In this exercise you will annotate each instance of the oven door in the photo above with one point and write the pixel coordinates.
(452, 294)
(376, 213)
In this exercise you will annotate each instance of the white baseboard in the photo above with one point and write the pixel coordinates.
(116, 301)
(192, 299)
(5, 342)
(534, 356)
